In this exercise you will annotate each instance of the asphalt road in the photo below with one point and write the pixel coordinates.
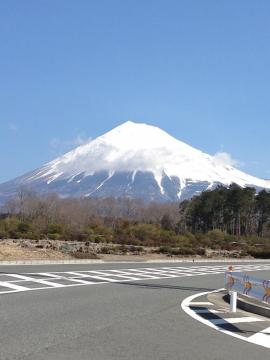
(139, 320)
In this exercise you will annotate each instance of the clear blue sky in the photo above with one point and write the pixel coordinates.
(70, 70)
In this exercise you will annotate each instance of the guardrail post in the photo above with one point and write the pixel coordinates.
(233, 301)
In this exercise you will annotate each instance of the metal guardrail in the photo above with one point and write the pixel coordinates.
(248, 285)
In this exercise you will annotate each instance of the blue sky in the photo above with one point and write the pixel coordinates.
(71, 70)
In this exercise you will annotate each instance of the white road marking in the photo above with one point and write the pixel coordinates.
(235, 320)
(84, 277)
(258, 340)
(49, 275)
(77, 274)
(261, 338)
(103, 278)
(121, 272)
(40, 281)
(125, 277)
(143, 273)
(200, 303)
(162, 272)
(207, 311)
(13, 286)
(80, 281)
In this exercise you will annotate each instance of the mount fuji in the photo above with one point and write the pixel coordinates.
(136, 161)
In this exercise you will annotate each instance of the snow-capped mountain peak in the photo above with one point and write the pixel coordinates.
(132, 154)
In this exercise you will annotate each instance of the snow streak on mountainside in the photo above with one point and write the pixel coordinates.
(135, 160)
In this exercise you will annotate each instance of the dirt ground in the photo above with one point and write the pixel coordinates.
(15, 252)
(10, 251)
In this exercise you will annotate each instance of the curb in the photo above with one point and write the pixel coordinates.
(99, 261)
(247, 304)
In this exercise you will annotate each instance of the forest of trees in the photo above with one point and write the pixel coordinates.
(236, 211)
(231, 218)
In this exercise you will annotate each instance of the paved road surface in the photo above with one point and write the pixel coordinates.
(113, 312)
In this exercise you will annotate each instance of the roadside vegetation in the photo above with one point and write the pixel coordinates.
(231, 222)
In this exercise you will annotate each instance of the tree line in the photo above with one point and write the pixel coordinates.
(236, 211)
(225, 219)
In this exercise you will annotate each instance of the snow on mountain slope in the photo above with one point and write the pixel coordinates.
(140, 147)
(134, 149)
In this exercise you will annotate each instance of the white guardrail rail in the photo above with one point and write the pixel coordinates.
(241, 283)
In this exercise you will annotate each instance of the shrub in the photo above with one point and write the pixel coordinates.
(23, 227)
(216, 235)
(165, 249)
(3, 234)
(55, 229)
(259, 253)
(55, 236)
(186, 251)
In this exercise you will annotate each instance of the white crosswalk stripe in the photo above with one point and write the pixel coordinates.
(39, 281)
(77, 274)
(60, 279)
(13, 286)
(80, 281)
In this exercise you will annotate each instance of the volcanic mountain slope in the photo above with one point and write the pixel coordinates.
(133, 160)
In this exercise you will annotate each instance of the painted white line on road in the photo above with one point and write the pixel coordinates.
(235, 320)
(197, 271)
(77, 274)
(145, 274)
(125, 277)
(95, 277)
(262, 338)
(12, 286)
(103, 278)
(200, 303)
(208, 311)
(185, 305)
(11, 291)
(167, 271)
(80, 281)
(121, 272)
(49, 275)
(40, 281)
(161, 272)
